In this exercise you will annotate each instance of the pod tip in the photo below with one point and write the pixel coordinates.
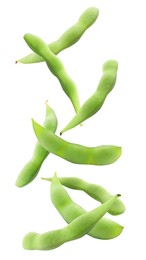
(55, 174)
(33, 121)
(46, 102)
(17, 185)
(29, 240)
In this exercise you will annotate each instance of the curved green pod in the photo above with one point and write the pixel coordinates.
(68, 38)
(69, 210)
(93, 190)
(75, 153)
(95, 102)
(32, 167)
(56, 67)
(75, 230)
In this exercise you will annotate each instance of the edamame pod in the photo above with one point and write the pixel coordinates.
(69, 210)
(31, 169)
(95, 102)
(76, 229)
(75, 153)
(95, 191)
(68, 38)
(56, 67)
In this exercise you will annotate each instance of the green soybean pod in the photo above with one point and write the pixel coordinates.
(56, 67)
(75, 230)
(93, 190)
(68, 38)
(32, 167)
(75, 153)
(69, 210)
(95, 102)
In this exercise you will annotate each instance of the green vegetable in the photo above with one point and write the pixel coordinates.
(76, 229)
(56, 67)
(95, 102)
(75, 153)
(95, 191)
(32, 167)
(69, 210)
(68, 38)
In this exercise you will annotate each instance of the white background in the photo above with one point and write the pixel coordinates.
(119, 33)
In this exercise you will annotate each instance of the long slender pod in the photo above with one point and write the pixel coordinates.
(95, 102)
(69, 210)
(95, 191)
(75, 153)
(75, 230)
(68, 38)
(32, 167)
(56, 67)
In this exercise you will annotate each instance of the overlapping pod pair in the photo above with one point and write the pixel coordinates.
(80, 222)
(94, 224)
(47, 53)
